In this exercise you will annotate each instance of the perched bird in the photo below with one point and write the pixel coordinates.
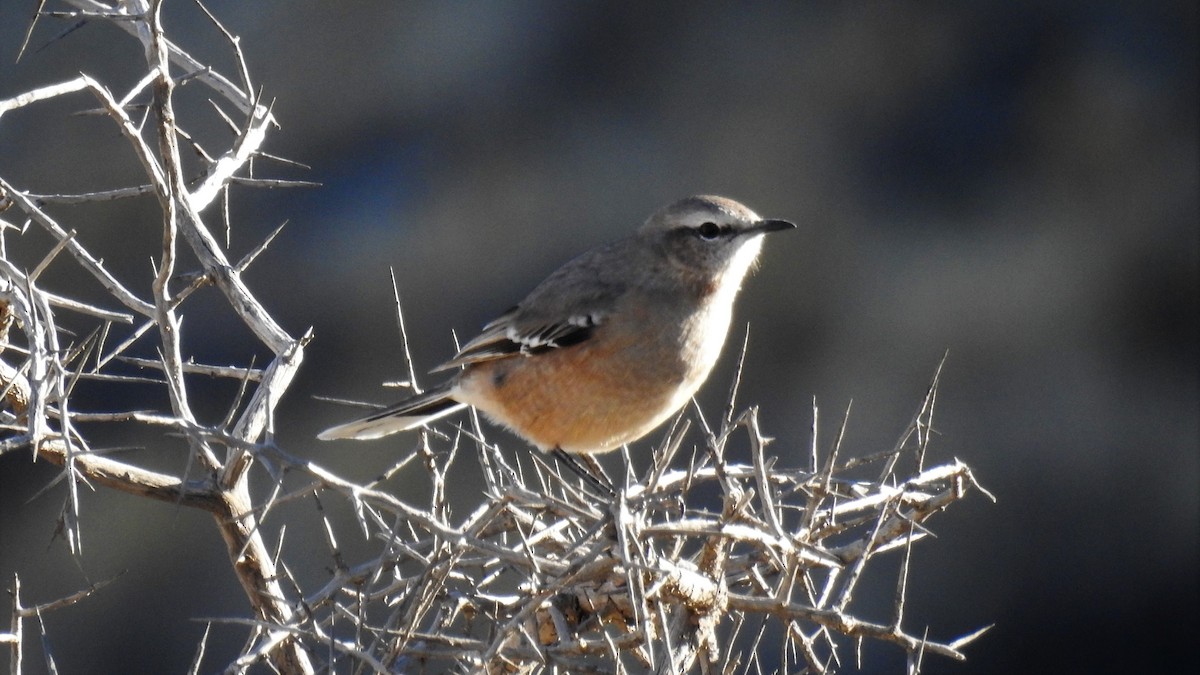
(608, 346)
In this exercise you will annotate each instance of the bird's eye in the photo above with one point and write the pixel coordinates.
(709, 231)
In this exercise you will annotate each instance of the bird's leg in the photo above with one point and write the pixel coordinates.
(588, 469)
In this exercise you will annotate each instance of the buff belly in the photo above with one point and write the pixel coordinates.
(575, 399)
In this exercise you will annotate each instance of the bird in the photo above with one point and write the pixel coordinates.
(607, 347)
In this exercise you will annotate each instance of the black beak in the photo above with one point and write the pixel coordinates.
(774, 225)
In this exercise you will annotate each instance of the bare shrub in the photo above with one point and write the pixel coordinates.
(684, 566)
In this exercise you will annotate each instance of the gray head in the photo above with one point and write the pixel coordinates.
(714, 238)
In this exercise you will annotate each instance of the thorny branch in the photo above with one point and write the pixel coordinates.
(685, 566)
(40, 367)
(669, 574)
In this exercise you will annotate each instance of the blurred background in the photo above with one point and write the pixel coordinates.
(1016, 183)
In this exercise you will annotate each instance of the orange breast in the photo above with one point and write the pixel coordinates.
(589, 397)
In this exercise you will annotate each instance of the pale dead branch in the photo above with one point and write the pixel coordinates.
(685, 567)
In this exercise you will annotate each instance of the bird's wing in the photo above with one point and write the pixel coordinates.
(512, 334)
(564, 310)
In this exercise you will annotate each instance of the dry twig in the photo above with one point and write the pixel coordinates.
(685, 568)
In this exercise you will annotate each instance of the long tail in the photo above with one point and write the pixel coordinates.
(410, 413)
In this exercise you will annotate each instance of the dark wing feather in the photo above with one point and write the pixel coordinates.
(563, 310)
(505, 337)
